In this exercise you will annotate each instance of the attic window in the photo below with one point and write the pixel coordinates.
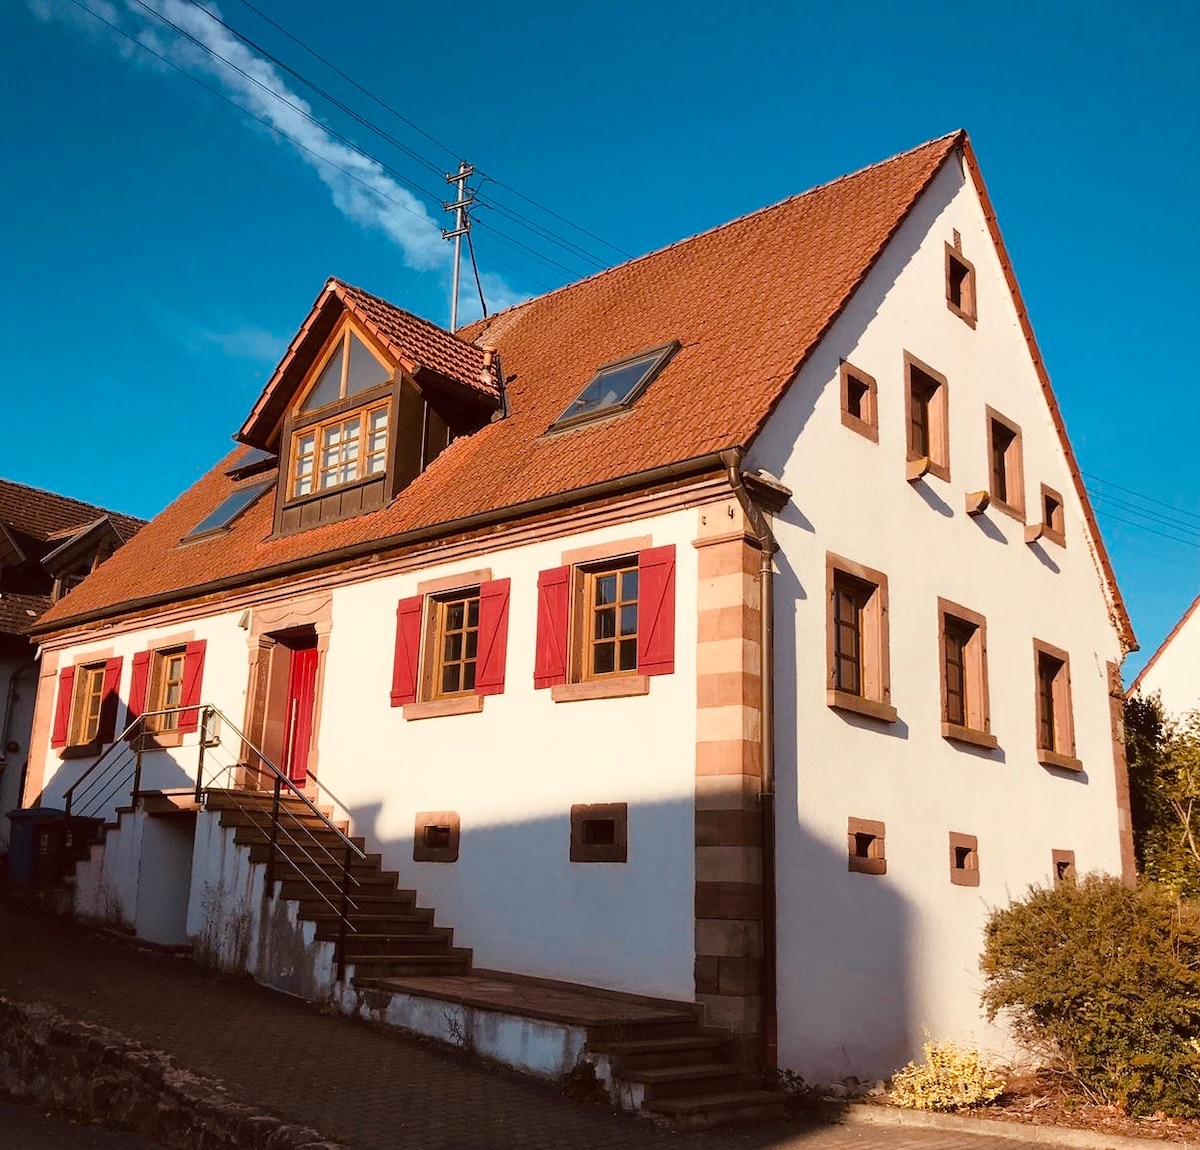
(254, 461)
(616, 385)
(350, 369)
(228, 511)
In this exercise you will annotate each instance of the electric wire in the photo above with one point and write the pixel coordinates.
(1139, 495)
(1167, 521)
(254, 116)
(506, 238)
(475, 269)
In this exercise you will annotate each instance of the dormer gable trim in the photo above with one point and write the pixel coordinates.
(427, 354)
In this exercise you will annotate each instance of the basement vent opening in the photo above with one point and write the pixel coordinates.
(599, 832)
(437, 837)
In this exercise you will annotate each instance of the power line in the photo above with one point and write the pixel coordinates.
(1150, 530)
(1134, 508)
(254, 116)
(1139, 495)
(505, 238)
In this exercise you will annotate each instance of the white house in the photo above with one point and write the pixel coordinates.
(730, 628)
(1173, 671)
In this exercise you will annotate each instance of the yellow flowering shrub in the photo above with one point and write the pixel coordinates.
(951, 1078)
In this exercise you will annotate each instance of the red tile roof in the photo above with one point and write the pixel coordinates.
(748, 301)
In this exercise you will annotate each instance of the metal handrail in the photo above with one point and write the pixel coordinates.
(128, 740)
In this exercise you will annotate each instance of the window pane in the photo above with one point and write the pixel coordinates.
(629, 614)
(230, 508)
(628, 661)
(454, 646)
(606, 623)
(603, 658)
(629, 585)
(365, 371)
(454, 616)
(450, 674)
(606, 589)
(328, 388)
(614, 386)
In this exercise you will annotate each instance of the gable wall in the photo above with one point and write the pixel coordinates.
(1175, 672)
(868, 963)
(511, 771)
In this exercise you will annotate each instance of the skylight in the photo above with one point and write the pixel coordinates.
(616, 385)
(229, 510)
(254, 460)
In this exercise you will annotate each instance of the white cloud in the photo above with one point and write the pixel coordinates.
(359, 187)
(234, 339)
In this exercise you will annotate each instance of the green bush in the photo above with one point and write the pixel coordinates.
(951, 1078)
(1104, 979)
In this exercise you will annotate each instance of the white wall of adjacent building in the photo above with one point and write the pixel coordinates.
(18, 689)
(1175, 672)
(870, 964)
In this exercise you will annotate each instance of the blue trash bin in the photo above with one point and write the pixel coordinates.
(23, 842)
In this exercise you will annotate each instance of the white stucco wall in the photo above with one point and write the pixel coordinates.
(1175, 672)
(868, 963)
(511, 772)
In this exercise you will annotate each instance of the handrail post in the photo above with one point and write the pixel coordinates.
(269, 884)
(204, 716)
(343, 913)
(137, 770)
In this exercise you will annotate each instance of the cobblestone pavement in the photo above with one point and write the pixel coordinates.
(29, 1128)
(370, 1087)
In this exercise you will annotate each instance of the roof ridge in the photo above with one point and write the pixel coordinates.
(470, 345)
(104, 511)
(957, 133)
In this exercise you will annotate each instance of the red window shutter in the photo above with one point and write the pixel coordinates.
(493, 637)
(139, 686)
(107, 730)
(554, 605)
(193, 679)
(656, 611)
(62, 712)
(408, 651)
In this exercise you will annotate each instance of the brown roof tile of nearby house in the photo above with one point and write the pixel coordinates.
(747, 301)
(42, 514)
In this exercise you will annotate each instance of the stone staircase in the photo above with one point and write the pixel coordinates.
(653, 1057)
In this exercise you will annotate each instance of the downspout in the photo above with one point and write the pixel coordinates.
(765, 539)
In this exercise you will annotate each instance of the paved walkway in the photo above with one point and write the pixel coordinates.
(372, 1088)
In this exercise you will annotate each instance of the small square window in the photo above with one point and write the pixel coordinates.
(865, 846)
(1055, 724)
(963, 640)
(926, 412)
(1006, 472)
(858, 402)
(436, 837)
(600, 832)
(960, 286)
(1064, 867)
(1053, 526)
(857, 640)
(964, 859)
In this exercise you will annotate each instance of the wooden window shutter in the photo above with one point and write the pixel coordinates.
(107, 729)
(656, 611)
(493, 637)
(193, 678)
(554, 604)
(139, 685)
(408, 650)
(62, 712)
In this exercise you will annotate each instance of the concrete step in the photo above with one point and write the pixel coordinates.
(395, 911)
(703, 1111)
(456, 961)
(415, 921)
(685, 1081)
(669, 1024)
(313, 859)
(298, 889)
(261, 819)
(439, 940)
(653, 1053)
(249, 836)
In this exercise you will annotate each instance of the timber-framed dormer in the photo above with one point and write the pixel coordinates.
(366, 398)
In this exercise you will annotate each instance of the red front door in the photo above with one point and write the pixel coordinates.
(302, 683)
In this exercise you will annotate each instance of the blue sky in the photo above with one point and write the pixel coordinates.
(161, 246)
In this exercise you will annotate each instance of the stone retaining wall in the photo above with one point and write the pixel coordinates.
(93, 1074)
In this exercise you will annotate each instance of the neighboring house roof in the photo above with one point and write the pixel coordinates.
(1137, 683)
(748, 302)
(37, 526)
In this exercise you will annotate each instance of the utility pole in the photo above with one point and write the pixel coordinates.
(462, 225)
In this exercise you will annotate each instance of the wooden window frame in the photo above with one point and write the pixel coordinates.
(434, 653)
(583, 851)
(1062, 754)
(163, 730)
(1062, 867)
(964, 867)
(423, 851)
(874, 699)
(85, 673)
(867, 424)
(1013, 466)
(937, 461)
(586, 579)
(339, 344)
(317, 427)
(976, 728)
(967, 310)
(874, 861)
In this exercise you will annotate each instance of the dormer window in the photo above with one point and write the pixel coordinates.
(350, 369)
(616, 386)
(340, 451)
